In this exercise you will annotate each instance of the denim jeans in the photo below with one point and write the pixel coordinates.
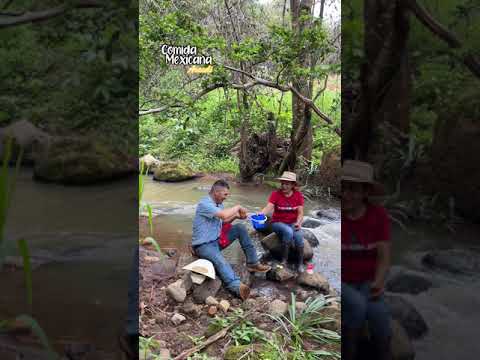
(211, 251)
(288, 234)
(358, 308)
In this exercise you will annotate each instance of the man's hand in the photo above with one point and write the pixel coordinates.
(297, 225)
(242, 213)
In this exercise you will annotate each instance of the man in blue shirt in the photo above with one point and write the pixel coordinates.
(207, 225)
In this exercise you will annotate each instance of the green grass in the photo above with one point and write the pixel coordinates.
(203, 135)
(307, 325)
(7, 188)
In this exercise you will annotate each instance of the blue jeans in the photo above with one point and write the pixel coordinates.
(211, 251)
(288, 234)
(358, 308)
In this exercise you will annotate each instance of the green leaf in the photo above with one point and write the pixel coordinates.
(38, 331)
(27, 269)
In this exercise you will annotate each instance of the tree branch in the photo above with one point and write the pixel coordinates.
(443, 33)
(42, 15)
(271, 84)
(202, 93)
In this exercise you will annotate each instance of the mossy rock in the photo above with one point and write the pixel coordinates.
(212, 329)
(173, 172)
(80, 161)
(237, 352)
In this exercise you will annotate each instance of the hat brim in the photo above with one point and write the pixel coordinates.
(283, 179)
(376, 188)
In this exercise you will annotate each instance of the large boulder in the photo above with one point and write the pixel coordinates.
(454, 172)
(208, 288)
(80, 161)
(310, 237)
(328, 175)
(149, 162)
(273, 244)
(173, 172)
(407, 315)
(408, 282)
(25, 136)
(314, 280)
(456, 261)
(401, 346)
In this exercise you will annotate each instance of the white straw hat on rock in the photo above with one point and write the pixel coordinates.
(201, 269)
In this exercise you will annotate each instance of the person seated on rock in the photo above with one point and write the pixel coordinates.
(207, 224)
(286, 207)
(365, 261)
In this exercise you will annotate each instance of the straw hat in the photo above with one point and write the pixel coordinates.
(200, 270)
(361, 172)
(288, 176)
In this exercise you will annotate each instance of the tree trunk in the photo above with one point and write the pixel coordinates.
(385, 82)
(301, 138)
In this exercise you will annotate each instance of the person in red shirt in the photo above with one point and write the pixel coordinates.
(365, 261)
(287, 207)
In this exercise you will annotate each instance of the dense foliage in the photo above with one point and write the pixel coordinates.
(248, 35)
(75, 73)
(442, 86)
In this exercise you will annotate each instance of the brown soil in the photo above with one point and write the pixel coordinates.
(157, 309)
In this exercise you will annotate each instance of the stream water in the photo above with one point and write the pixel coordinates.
(174, 208)
(84, 237)
(450, 306)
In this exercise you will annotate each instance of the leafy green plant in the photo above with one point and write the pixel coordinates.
(246, 333)
(308, 325)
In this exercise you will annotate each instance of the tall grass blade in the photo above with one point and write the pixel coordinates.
(150, 218)
(27, 269)
(38, 331)
(4, 187)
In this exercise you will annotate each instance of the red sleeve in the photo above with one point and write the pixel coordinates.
(273, 197)
(301, 200)
(383, 224)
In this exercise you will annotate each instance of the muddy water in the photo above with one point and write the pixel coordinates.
(174, 208)
(450, 307)
(84, 237)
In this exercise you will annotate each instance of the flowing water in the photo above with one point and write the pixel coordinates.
(450, 306)
(174, 208)
(84, 237)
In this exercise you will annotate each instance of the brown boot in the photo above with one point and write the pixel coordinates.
(260, 268)
(244, 291)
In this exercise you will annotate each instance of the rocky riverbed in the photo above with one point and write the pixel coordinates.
(177, 313)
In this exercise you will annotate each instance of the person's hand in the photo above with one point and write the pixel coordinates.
(297, 225)
(376, 289)
(242, 213)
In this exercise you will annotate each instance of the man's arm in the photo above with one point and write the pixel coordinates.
(383, 264)
(229, 214)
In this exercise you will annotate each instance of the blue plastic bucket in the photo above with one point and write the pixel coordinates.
(258, 221)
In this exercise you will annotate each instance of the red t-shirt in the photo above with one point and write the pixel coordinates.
(286, 208)
(359, 243)
(223, 239)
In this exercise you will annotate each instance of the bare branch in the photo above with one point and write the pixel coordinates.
(271, 84)
(322, 89)
(181, 103)
(42, 15)
(443, 33)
